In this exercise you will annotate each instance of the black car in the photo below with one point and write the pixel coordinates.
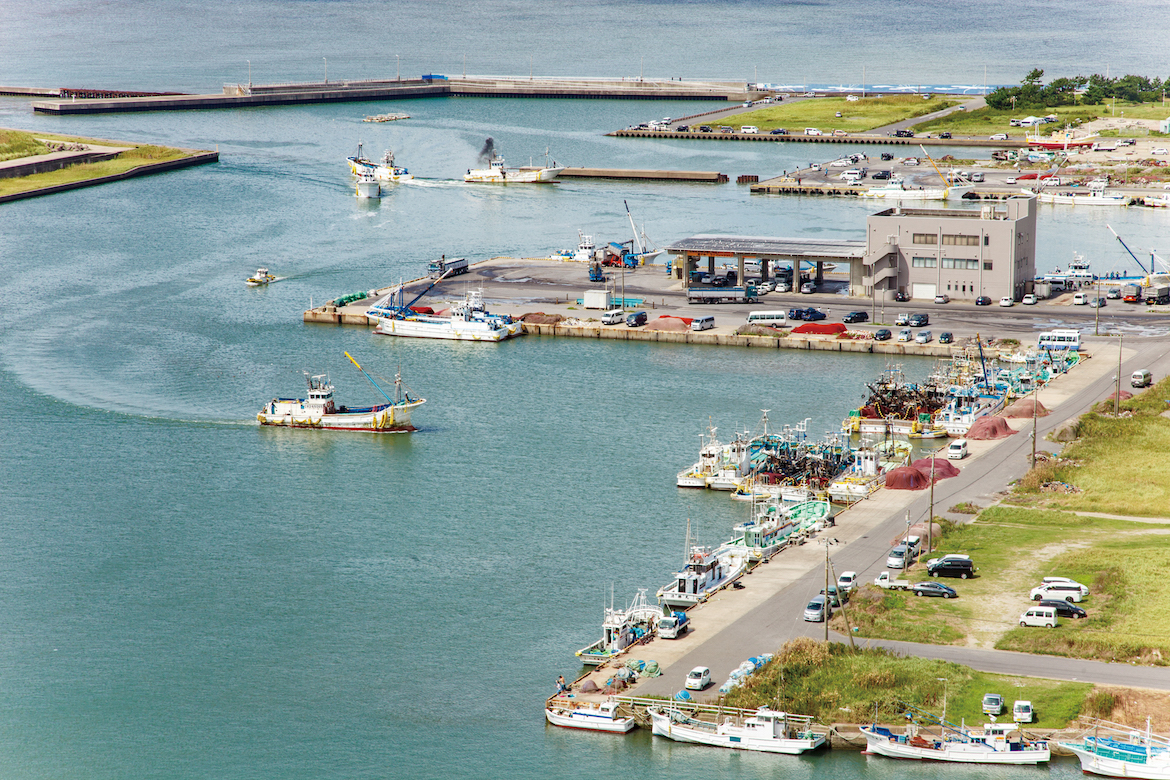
(933, 589)
(982, 300)
(887, 156)
(812, 315)
(944, 135)
(704, 128)
(682, 128)
(882, 334)
(918, 320)
(962, 568)
(903, 133)
(881, 175)
(901, 297)
(856, 316)
(778, 131)
(946, 337)
(1063, 608)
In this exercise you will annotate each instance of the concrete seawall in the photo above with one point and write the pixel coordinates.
(822, 139)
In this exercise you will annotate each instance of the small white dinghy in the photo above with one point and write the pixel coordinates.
(562, 712)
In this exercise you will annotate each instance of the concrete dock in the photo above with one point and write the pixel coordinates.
(714, 177)
(855, 138)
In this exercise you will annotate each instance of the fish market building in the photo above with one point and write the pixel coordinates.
(962, 253)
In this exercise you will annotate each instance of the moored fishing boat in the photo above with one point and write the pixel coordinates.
(764, 730)
(995, 743)
(710, 451)
(1114, 750)
(1097, 195)
(621, 628)
(706, 571)
(604, 717)
(319, 410)
(468, 320)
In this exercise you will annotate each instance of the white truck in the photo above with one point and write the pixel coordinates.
(456, 265)
(886, 582)
(745, 294)
(674, 625)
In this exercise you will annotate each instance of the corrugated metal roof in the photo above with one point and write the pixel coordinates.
(763, 246)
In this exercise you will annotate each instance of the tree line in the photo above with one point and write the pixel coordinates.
(1079, 90)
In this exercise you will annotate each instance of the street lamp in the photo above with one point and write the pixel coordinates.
(326, 70)
(398, 67)
(249, 74)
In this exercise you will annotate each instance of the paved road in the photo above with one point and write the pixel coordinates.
(780, 617)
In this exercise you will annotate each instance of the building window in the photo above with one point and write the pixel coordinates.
(986, 265)
(986, 240)
(923, 262)
(925, 238)
(954, 240)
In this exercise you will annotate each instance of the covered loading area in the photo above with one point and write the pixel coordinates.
(696, 257)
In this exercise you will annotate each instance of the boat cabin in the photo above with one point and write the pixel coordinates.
(702, 570)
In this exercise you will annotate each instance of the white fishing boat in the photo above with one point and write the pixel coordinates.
(710, 457)
(386, 170)
(765, 731)
(604, 717)
(1097, 195)
(498, 173)
(367, 186)
(586, 249)
(896, 189)
(995, 743)
(358, 162)
(772, 526)
(1157, 201)
(731, 465)
(621, 628)
(261, 278)
(320, 411)
(966, 406)
(1113, 750)
(706, 571)
(467, 320)
(867, 473)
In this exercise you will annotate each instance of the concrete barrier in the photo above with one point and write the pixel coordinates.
(202, 158)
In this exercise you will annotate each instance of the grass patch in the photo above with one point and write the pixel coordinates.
(888, 614)
(990, 121)
(15, 144)
(966, 508)
(834, 683)
(856, 115)
(126, 161)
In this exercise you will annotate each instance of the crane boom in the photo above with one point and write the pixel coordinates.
(1131, 254)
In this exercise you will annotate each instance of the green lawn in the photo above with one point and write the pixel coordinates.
(1122, 562)
(988, 121)
(1117, 463)
(856, 116)
(836, 684)
(126, 161)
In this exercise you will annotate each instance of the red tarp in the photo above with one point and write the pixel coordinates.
(821, 328)
(988, 428)
(1022, 408)
(907, 478)
(943, 468)
(422, 310)
(687, 320)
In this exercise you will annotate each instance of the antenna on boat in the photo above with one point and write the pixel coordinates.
(371, 379)
(687, 544)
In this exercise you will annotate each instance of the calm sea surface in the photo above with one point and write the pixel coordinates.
(188, 596)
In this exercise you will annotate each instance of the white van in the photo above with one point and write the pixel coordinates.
(1142, 378)
(749, 130)
(1040, 616)
(1081, 299)
(770, 318)
(703, 323)
(812, 131)
(957, 450)
(613, 317)
(852, 175)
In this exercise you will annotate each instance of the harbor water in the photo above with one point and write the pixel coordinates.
(187, 595)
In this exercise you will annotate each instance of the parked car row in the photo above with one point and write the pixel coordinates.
(993, 705)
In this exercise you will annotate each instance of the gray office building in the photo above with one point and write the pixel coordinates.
(962, 254)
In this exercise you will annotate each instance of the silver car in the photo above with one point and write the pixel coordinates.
(815, 611)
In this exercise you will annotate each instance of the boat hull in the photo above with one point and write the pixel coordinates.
(471, 330)
(1095, 764)
(664, 727)
(955, 752)
(513, 176)
(387, 418)
(588, 719)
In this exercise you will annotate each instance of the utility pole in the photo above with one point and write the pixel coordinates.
(1035, 433)
(1097, 312)
(1117, 393)
(828, 598)
(930, 516)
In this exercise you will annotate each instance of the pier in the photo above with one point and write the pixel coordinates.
(713, 177)
(103, 101)
(857, 138)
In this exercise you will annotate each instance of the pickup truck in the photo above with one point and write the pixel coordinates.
(673, 625)
(885, 581)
